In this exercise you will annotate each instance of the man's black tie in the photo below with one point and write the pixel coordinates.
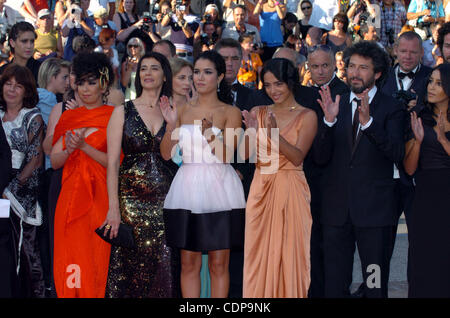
(356, 119)
(402, 75)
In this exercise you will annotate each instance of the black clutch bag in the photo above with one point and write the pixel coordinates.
(124, 238)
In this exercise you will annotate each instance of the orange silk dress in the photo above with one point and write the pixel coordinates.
(278, 222)
(81, 257)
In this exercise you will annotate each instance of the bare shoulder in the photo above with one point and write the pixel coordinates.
(308, 115)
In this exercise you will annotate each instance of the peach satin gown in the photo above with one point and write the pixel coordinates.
(278, 224)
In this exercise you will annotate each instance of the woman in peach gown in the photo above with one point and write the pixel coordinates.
(81, 257)
(278, 217)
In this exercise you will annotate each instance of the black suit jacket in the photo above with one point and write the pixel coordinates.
(419, 83)
(246, 169)
(357, 181)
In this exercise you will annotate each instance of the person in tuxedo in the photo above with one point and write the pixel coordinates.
(8, 277)
(410, 76)
(443, 41)
(321, 63)
(361, 136)
(231, 52)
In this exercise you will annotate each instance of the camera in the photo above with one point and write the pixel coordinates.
(205, 40)
(148, 19)
(208, 18)
(404, 97)
(390, 35)
(179, 5)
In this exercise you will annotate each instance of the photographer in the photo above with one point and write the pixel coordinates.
(251, 66)
(393, 17)
(239, 27)
(77, 23)
(102, 22)
(130, 26)
(360, 12)
(421, 13)
(211, 16)
(206, 40)
(183, 26)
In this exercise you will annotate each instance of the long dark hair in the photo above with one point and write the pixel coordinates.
(24, 77)
(444, 71)
(285, 71)
(224, 91)
(166, 89)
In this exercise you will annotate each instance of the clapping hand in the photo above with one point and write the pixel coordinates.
(207, 124)
(440, 128)
(168, 111)
(417, 127)
(363, 109)
(250, 120)
(330, 108)
(270, 122)
(76, 140)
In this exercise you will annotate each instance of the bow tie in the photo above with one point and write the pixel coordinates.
(234, 87)
(402, 75)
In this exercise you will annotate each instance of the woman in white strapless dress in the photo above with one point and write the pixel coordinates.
(204, 209)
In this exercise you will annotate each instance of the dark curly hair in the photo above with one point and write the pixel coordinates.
(24, 77)
(166, 89)
(370, 50)
(224, 92)
(85, 65)
(285, 71)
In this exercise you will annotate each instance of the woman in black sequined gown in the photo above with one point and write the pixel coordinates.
(142, 182)
(428, 158)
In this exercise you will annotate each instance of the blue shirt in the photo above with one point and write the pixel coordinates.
(46, 102)
(270, 30)
(435, 12)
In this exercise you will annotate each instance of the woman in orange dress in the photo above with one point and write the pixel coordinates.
(81, 257)
(278, 216)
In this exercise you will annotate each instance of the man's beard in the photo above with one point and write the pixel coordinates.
(360, 89)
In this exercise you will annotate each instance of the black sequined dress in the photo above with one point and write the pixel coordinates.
(152, 269)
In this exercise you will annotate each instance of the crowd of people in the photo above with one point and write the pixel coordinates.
(141, 139)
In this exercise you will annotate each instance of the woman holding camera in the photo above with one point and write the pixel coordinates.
(131, 26)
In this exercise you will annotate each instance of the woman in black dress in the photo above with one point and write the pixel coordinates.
(138, 186)
(428, 159)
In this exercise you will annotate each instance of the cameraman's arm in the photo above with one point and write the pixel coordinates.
(370, 9)
(166, 20)
(351, 12)
(155, 37)
(198, 33)
(89, 31)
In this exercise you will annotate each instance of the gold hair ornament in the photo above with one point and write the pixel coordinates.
(104, 77)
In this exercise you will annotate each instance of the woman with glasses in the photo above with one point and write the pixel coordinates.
(135, 50)
(338, 39)
(306, 8)
(278, 216)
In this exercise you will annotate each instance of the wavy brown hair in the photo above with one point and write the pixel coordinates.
(24, 77)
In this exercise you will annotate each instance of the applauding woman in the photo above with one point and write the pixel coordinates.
(204, 208)
(81, 257)
(137, 188)
(278, 217)
(428, 159)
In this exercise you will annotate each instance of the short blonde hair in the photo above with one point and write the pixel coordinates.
(51, 67)
(176, 64)
(137, 41)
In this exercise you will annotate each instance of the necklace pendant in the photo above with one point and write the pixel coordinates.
(292, 108)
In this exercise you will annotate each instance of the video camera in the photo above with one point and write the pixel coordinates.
(179, 5)
(148, 20)
(205, 40)
(404, 97)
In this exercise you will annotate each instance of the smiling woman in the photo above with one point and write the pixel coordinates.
(79, 145)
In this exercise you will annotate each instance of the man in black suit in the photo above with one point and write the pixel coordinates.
(231, 51)
(360, 139)
(408, 76)
(322, 65)
(8, 278)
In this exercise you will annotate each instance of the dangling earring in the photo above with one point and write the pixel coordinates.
(218, 86)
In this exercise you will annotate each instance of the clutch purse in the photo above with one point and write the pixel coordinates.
(124, 238)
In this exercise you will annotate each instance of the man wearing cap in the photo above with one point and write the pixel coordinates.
(101, 22)
(48, 42)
